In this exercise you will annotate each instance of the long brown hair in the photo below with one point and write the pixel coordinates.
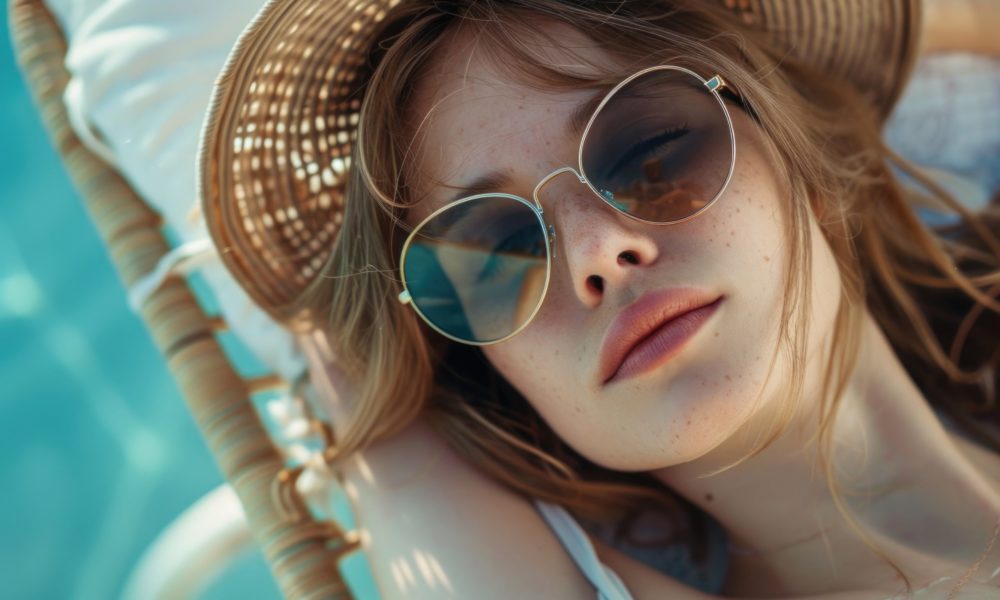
(933, 292)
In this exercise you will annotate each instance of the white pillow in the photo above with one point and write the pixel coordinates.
(141, 77)
(948, 119)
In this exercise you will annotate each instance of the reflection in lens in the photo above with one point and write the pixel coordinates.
(477, 270)
(660, 149)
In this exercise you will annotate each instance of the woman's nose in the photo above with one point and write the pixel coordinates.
(602, 250)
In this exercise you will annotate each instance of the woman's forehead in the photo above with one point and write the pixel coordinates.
(468, 109)
(465, 51)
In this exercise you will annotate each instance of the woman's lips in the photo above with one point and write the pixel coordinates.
(653, 330)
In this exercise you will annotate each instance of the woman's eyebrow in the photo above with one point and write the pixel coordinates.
(493, 181)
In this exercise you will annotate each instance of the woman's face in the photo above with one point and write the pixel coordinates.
(473, 120)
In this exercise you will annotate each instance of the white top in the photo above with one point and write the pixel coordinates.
(607, 583)
(673, 560)
(141, 75)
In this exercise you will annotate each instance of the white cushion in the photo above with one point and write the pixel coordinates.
(948, 119)
(141, 78)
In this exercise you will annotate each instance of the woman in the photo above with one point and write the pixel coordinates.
(624, 259)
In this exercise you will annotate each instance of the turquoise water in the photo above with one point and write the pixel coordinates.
(99, 451)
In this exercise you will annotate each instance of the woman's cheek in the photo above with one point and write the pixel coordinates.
(532, 361)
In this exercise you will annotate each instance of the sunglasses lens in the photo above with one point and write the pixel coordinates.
(477, 271)
(661, 148)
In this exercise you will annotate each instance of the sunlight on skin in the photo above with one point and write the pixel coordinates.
(397, 576)
(432, 575)
(365, 470)
(404, 566)
(431, 569)
(441, 576)
(350, 489)
(422, 564)
(402, 574)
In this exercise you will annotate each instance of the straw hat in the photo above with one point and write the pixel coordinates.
(275, 150)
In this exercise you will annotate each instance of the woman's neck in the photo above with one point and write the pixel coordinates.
(902, 477)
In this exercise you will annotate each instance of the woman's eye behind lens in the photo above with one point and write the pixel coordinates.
(514, 253)
(635, 158)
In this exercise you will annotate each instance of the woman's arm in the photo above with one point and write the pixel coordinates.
(961, 26)
(434, 527)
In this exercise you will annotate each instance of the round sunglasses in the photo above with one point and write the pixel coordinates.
(659, 148)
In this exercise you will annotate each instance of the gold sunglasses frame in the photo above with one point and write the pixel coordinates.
(714, 85)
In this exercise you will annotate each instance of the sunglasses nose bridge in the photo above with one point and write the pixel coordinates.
(545, 180)
(550, 231)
